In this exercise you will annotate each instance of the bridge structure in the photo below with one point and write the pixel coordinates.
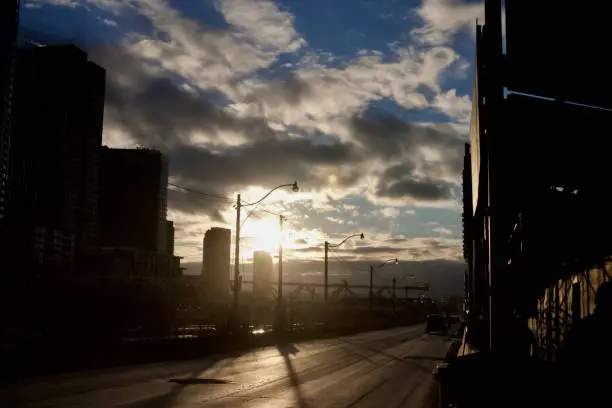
(344, 288)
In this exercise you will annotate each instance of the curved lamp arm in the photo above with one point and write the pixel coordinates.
(347, 238)
(394, 260)
(294, 186)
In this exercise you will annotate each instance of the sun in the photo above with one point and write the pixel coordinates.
(265, 235)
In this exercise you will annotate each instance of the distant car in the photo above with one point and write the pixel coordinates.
(436, 323)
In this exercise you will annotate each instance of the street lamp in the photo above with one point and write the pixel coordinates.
(239, 204)
(372, 267)
(327, 246)
(279, 307)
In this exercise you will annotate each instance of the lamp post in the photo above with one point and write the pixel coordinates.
(239, 204)
(279, 307)
(327, 246)
(393, 296)
(372, 267)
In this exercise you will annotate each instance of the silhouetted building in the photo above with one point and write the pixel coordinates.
(57, 133)
(133, 199)
(169, 237)
(119, 262)
(9, 21)
(216, 263)
(262, 275)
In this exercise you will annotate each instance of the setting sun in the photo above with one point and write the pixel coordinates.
(265, 235)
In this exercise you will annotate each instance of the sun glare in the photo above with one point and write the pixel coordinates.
(265, 234)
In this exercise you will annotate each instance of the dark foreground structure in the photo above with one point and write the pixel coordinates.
(536, 213)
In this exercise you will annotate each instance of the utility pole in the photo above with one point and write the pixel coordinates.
(327, 245)
(326, 274)
(371, 287)
(279, 307)
(393, 296)
(325, 306)
(236, 264)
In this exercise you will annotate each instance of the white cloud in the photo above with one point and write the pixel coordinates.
(212, 58)
(444, 18)
(110, 5)
(330, 95)
(263, 23)
(456, 107)
(108, 22)
(442, 231)
(390, 212)
(335, 220)
(63, 3)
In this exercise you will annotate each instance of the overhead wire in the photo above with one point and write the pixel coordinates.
(202, 193)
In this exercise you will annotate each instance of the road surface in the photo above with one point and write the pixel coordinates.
(391, 368)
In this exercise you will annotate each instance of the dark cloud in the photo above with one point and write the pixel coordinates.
(263, 162)
(159, 111)
(162, 114)
(422, 190)
(364, 250)
(190, 203)
(289, 89)
(397, 240)
(301, 241)
(383, 134)
(392, 138)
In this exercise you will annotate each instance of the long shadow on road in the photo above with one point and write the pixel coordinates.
(169, 399)
(286, 350)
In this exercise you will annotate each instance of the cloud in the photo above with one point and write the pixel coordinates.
(420, 148)
(390, 212)
(108, 22)
(420, 190)
(456, 107)
(328, 96)
(216, 101)
(443, 231)
(443, 19)
(62, 3)
(367, 250)
(110, 5)
(211, 58)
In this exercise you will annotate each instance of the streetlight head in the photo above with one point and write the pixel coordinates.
(362, 236)
(295, 187)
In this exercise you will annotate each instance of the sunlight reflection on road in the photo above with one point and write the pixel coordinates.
(377, 369)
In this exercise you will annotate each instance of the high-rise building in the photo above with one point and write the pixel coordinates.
(216, 263)
(57, 133)
(262, 275)
(169, 237)
(133, 199)
(9, 21)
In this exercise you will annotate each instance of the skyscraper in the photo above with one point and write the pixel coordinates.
(133, 199)
(262, 275)
(169, 237)
(58, 113)
(9, 21)
(216, 263)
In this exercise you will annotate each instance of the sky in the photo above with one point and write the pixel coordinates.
(365, 103)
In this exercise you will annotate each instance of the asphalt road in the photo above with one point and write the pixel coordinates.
(391, 368)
